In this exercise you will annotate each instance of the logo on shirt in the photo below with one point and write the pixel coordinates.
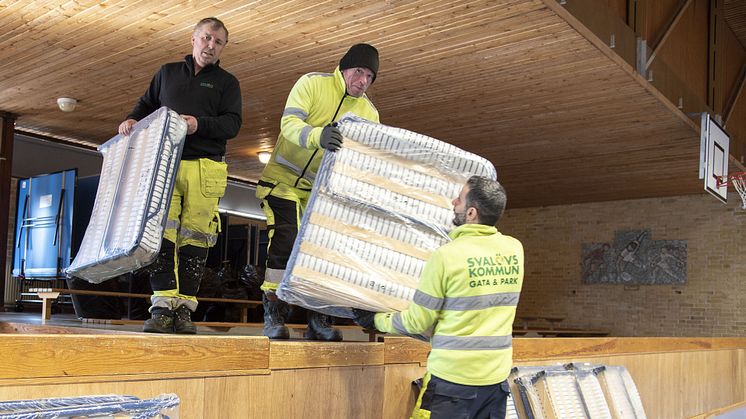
(500, 266)
(206, 84)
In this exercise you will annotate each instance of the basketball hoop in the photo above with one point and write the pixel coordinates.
(738, 180)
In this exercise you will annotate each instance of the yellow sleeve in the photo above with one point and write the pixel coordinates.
(424, 311)
(293, 126)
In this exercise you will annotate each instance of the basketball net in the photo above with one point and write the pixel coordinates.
(740, 185)
(738, 180)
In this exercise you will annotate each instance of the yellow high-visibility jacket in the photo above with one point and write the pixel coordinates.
(467, 296)
(316, 100)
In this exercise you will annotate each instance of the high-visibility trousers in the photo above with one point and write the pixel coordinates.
(193, 219)
(283, 206)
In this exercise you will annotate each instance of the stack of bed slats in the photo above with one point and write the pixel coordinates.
(379, 207)
(132, 200)
(575, 391)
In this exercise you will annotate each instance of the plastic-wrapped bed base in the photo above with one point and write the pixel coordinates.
(621, 393)
(380, 206)
(510, 410)
(132, 200)
(163, 406)
(575, 391)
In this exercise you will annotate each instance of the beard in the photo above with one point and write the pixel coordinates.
(459, 219)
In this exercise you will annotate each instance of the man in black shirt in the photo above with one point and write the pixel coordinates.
(209, 100)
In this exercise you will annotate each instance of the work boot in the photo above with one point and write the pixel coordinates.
(161, 321)
(320, 328)
(183, 321)
(276, 313)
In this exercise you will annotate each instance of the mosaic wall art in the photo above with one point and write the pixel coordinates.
(633, 257)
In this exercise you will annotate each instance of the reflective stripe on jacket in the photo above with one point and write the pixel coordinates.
(467, 295)
(311, 105)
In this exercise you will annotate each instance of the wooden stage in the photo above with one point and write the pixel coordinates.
(250, 377)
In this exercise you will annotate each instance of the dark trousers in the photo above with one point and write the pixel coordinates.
(284, 230)
(447, 400)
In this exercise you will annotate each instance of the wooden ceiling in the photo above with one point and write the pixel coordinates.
(519, 82)
(734, 12)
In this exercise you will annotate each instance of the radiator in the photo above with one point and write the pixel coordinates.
(132, 200)
(380, 206)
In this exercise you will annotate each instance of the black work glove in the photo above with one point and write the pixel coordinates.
(331, 138)
(365, 319)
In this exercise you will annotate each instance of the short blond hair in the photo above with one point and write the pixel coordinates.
(214, 23)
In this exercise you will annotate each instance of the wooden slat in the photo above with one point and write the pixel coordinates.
(735, 14)
(739, 407)
(399, 394)
(25, 328)
(534, 349)
(339, 392)
(666, 30)
(122, 378)
(59, 355)
(405, 350)
(315, 354)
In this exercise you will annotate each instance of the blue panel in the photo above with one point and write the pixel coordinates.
(44, 225)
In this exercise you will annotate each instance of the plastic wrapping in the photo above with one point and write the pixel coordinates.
(379, 207)
(621, 393)
(163, 406)
(575, 390)
(132, 200)
(592, 394)
(510, 410)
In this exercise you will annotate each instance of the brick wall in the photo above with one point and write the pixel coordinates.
(711, 303)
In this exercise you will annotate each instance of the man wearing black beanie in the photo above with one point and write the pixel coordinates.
(315, 102)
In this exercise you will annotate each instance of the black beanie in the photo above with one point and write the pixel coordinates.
(361, 55)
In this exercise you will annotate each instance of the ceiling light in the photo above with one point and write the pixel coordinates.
(264, 156)
(66, 104)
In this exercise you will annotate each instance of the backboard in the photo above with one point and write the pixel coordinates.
(713, 157)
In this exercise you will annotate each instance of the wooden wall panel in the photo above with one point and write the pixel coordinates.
(732, 57)
(42, 356)
(310, 354)
(737, 128)
(678, 384)
(314, 393)
(190, 392)
(680, 67)
(676, 378)
(656, 14)
(240, 393)
(619, 7)
(685, 51)
(400, 395)
(735, 14)
(606, 24)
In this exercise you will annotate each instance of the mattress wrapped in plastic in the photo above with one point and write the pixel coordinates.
(104, 406)
(133, 197)
(379, 207)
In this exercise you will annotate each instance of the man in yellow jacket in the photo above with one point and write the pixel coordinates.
(466, 300)
(316, 101)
